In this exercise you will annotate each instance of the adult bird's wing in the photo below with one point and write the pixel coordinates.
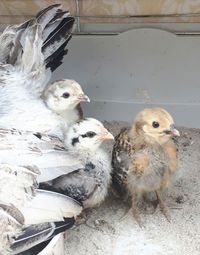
(11, 221)
(24, 78)
(35, 149)
(22, 205)
(17, 186)
(36, 237)
(45, 216)
(56, 26)
(49, 206)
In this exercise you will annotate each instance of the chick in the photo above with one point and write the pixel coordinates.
(87, 184)
(144, 157)
(63, 97)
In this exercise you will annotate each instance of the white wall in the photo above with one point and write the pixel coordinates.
(140, 68)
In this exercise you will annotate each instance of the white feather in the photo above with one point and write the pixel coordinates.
(47, 153)
(17, 184)
(49, 206)
(10, 227)
(21, 87)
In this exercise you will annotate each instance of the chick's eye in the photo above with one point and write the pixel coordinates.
(155, 124)
(65, 95)
(90, 134)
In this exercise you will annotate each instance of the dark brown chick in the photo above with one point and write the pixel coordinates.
(144, 157)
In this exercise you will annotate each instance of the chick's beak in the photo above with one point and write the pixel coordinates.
(83, 97)
(175, 132)
(172, 131)
(105, 135)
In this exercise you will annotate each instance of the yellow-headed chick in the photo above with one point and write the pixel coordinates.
(145, 158)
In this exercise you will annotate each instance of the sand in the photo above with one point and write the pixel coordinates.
(105, 233)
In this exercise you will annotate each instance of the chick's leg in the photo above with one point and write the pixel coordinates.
(135, 210)
(150, 202)
(163, 207)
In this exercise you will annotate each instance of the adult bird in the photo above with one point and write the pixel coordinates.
(29, 52)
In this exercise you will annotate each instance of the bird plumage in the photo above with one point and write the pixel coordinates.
(36, 149)
(17, 187)
(11, 221)
(45, 216)
(47, 206)
(144, 156)
(36, 235)
(22, 204)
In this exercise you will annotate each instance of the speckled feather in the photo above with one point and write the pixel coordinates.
(141, 165)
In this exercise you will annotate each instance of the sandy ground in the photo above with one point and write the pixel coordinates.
(105, 233)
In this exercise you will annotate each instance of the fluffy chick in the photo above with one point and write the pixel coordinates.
(63, 97)
(144, 157)
(89, 183)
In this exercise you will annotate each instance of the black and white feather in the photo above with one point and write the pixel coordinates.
(35, 237)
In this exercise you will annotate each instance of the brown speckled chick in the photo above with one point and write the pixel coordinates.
(144, 157)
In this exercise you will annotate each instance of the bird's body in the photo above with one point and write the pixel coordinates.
(89, 183)
(144, 157)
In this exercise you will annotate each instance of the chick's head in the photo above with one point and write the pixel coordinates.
(156, 125)
(87, 134)
(64, 95)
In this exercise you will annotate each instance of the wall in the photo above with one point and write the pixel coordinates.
(16, 11)
(140, 68)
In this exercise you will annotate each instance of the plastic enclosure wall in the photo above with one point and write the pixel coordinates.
(140, 68)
